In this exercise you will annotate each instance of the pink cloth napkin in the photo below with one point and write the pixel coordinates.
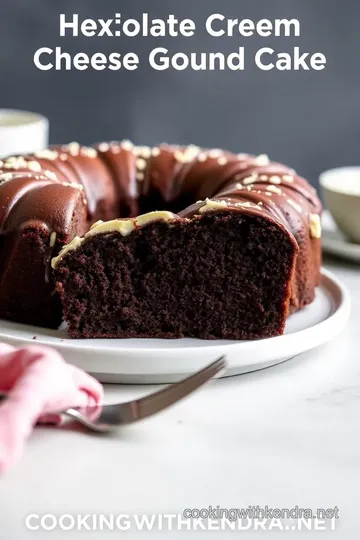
(38, 382)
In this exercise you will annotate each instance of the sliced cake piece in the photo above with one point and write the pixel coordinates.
(220, 273)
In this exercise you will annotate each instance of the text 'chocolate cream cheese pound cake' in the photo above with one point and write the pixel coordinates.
(156, 242)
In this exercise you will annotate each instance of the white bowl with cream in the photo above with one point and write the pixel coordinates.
(22, 132)
(341, 188)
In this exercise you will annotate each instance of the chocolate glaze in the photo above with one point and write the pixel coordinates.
(64, 189)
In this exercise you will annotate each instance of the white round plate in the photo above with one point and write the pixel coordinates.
(335, 243)
(141, 361)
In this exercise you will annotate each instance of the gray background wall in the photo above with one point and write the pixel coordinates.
(308, 119)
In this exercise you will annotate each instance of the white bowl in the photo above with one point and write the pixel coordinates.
(22, 132)
(341, 188)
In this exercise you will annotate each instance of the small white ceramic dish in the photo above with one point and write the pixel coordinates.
(335, 242)
(341, 188)
(141, 361)
(22, 132)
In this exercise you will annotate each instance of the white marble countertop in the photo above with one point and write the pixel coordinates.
(281, 437)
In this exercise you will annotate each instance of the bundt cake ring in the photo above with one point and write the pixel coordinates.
(128, 241)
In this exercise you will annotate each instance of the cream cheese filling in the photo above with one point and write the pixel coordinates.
(122, 226)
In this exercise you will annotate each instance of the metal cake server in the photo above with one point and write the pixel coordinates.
(105, 418)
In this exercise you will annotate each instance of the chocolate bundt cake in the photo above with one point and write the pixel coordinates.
(156, 242)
